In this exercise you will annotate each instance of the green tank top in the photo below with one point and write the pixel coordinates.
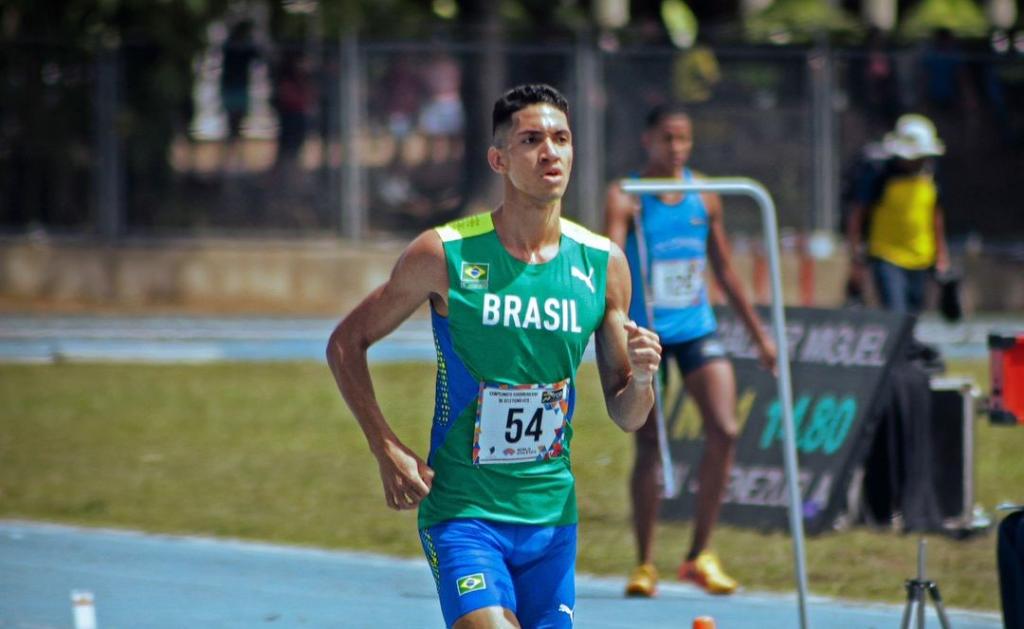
(507, 355)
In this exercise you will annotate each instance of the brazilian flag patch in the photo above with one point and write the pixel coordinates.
(471, 583)
(474, 274)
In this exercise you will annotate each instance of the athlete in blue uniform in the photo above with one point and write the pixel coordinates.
(681, 235)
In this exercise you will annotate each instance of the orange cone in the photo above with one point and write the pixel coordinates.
(703, 622)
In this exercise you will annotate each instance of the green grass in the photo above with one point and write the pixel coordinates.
(268, 451)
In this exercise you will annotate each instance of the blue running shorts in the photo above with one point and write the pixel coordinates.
(527, 569)
(693, 354)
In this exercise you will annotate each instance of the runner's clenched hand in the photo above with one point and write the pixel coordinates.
(644, 351)
(406, 477)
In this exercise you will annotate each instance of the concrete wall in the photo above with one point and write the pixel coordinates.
(267, 276)
(327, 277)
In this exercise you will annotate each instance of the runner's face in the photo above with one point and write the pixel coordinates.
(539, 152)
(669, 143)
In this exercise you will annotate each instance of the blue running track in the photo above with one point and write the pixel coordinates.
(170, 582)
(25, 338)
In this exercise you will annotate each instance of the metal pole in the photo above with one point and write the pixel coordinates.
(668, 474)
(589, 197)
(922, 601)
(821, 66)
(353, 210)
(753, 189)
(107, 177)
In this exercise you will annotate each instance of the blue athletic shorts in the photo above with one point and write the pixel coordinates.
(695, 353)
(527, 569)
(690, 356)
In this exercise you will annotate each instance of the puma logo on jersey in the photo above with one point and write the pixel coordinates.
(562, 607)
(586, 279)
(512, 311)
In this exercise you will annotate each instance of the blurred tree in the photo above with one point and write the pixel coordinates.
(962, 18)
(392, 19)
(54, 48)
(801, 21)
(483, 79)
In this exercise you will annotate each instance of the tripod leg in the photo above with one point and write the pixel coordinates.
(908, 609)
(933, 589)
(905, 623)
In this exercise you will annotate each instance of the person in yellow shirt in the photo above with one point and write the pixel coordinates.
(905, 235)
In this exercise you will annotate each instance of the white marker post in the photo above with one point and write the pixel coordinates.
(754, 190)
(84, 609)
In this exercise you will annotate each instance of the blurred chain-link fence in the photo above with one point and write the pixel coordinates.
(371, 139)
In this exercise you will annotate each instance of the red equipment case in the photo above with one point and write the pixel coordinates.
(1006, 355)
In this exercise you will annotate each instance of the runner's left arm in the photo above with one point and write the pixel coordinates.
(627, 355)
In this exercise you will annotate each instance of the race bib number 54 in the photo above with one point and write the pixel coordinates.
(516, 423)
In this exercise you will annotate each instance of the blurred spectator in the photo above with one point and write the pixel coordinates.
(874, 82)
(398, 101)
(401, 100)
(238, 54)
(947, 86)
(442, 117)
(422, 108)
(294, 99)
(436, 194)
(901, 209)
(995, 94)
(867, 165)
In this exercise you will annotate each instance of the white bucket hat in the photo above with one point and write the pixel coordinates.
(913, 138)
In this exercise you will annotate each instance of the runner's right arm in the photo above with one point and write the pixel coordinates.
(419, 275)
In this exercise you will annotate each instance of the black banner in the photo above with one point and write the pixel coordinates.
(838, 358)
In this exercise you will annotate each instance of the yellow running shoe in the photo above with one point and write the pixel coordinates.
(706, 571)
(643, 581)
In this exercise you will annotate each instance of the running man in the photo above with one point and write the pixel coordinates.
(682, 233)
(515, 295)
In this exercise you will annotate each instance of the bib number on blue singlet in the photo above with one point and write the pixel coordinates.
(677, 283)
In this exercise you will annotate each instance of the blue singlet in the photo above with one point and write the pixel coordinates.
(676, 238)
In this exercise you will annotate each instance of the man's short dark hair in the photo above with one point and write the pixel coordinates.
(521, 97)
(666, 110)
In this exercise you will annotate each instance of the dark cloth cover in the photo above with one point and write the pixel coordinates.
(1010, 557)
